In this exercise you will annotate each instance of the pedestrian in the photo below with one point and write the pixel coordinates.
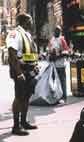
(78, 133)
(23, 68)
(57, 46)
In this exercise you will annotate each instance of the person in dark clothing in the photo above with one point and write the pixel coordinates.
(78, 133)
(23, 68)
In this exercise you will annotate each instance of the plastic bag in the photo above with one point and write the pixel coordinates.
(54, 81)
(44, 91)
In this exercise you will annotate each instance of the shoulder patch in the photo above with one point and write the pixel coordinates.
(12, 34)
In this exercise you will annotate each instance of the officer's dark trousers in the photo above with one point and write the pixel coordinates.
(23, 91)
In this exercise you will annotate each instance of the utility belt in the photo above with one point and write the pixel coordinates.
(28, 65)
(28, 60)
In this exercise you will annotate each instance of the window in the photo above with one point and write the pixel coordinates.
(81, 4)
(1, 2)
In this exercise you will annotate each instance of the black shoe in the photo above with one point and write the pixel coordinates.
(19, 132)
(28, 126)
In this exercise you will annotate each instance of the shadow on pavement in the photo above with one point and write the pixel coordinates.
(44, 110)
(36, 111)
(5, 128)
(74, 99)
(4, 136)
(5, 116)
(39, 111)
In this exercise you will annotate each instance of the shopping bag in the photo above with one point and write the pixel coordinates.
(54, 82)
(52, 79)
(44, 92)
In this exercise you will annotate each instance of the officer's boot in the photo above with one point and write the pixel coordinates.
(24, 123)
(17, 130)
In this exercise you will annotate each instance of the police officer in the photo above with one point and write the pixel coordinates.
(22, 62)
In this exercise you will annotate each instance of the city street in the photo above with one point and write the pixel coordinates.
(55, 123)
(55, 28)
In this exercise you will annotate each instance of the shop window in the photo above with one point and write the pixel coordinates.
(82, 4)
(1, 2)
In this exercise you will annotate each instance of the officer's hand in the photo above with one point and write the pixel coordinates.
(21, 77)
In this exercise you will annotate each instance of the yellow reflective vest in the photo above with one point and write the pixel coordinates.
(28, 55)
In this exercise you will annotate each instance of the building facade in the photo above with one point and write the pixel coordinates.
(81, 4)
(46, 14)
(73, 14)
(7, 17)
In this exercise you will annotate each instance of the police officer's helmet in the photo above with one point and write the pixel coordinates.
(24, 19)
(82, 115)
(57, 31)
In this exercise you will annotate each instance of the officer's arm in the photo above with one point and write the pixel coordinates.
(13, 60)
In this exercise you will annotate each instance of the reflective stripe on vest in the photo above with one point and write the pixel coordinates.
(26, 41)
(27, 56)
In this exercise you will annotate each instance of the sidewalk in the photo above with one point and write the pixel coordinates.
(55, 123)
(74, 99)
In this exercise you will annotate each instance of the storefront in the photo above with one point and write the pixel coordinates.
(42, 13)
(77, 64)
